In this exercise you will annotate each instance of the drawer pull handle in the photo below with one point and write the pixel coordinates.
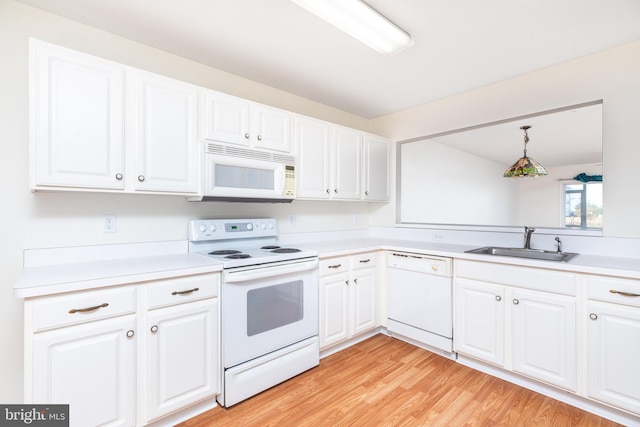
(498, 298)
(626, 294)
(154, 329)
(364, 261)
(130, 333)
(516, 302)
(88, 309)
(593, 316)
(335, 266)
(187, 292)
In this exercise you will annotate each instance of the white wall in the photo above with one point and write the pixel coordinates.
(444, 185)
(612, 75)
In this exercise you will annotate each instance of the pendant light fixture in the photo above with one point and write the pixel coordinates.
(525, 166)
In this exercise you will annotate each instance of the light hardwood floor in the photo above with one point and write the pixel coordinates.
(386, 382)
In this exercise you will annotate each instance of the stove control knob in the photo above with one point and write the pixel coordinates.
(203, 228)
(271, 226)
(249, 226)
(263, 225)
(212, 228)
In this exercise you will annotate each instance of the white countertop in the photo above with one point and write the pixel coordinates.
(594, 264)
(73, 274)
(52, 279)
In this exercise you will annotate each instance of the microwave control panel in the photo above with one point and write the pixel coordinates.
(290, 180)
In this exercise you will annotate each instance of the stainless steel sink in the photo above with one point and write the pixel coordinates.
(524, 253)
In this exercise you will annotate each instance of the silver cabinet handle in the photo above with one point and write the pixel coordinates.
(364, 261)
(347, 282)
(516, 302)
(498, 298)
(187, 292)
(335, 190)
(130, 333)
(119, 176)
(335, 266)
(593, 316)
(355, 281)
(366, 193)
(154, 329)
(246, 135)
(328, 191)
(626, 294)
(259, 137)
(141, 178)
(88, 309)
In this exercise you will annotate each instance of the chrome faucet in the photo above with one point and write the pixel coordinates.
(528, 231)
(557, 239)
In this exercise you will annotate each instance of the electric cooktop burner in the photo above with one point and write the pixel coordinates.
(270, 247)
(224, 252)
(238, 256)
(285, 250)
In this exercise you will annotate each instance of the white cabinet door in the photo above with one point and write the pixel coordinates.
(313, 139)
(227, 118)
(543, 336)
(377, 158)
(183, 364)
(613, 342)
(166, 135)
(362, 296)
(347, 163)
(334, 309)
(91, 367)
(77, 119)
(271, 128)
(479, 320)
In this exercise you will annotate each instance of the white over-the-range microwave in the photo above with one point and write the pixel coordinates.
(238, 174)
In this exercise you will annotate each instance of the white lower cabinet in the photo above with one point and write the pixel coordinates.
(613, 342)
(347, 297)
(182, 361)
(543, 337)
(526, 329)
(479, 320)
(90, 367)
(124, 355)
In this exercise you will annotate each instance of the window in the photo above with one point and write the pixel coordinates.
(583, 206)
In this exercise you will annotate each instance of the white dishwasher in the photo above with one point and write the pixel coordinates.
(419, 299)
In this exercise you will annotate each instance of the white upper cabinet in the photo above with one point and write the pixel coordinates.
(166, 135)
(88, 132)
(329, 159)
(346, 159)
(313, 140)
(376, 168)
(76, 119)
(238, 121)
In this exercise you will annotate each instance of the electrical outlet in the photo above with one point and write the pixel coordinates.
(109, 223)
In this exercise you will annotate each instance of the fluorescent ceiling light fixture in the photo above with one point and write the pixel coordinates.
(360, 21)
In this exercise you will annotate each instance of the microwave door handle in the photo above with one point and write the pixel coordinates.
(262, 272)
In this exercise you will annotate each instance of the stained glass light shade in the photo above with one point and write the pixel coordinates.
(525, 166)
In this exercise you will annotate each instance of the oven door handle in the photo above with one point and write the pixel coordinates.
(264, 272)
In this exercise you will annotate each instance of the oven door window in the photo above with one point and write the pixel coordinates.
(274, 306)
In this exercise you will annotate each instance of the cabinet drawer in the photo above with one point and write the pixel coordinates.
(365, 260)
(333, 265)
(614, 289)
(183, 289)
(81, 307)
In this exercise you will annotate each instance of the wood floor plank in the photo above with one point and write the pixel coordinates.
(386, 382)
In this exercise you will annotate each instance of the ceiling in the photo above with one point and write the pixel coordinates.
(458, 44)
(571, 136)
